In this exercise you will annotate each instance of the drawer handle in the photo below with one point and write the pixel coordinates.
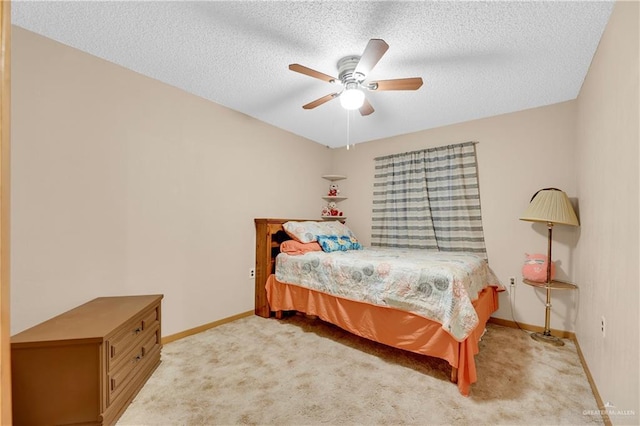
(137, 330)
(137, 357)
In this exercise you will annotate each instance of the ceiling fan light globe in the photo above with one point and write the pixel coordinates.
(352, 99)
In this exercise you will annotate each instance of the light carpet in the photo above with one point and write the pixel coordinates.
(301, 371)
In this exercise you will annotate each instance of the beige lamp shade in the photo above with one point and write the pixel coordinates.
(550, 205)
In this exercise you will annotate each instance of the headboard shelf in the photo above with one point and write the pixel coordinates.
(269, 235)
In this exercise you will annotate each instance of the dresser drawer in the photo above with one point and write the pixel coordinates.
(130, 337)
(133, 362)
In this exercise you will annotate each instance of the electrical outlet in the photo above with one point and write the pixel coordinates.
(602, 325)
(252, 273)
(512, 281)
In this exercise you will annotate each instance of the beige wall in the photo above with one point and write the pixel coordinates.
(608, 189)
(518, 154)
(124, 185)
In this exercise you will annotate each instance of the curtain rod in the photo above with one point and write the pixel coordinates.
(437, 148)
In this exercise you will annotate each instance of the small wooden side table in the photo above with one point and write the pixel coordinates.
(546, 336)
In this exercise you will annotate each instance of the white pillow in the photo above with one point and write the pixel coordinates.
(308, 231)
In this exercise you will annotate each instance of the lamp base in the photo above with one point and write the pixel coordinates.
(547, 338)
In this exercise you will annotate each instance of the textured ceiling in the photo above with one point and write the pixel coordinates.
(477, 59)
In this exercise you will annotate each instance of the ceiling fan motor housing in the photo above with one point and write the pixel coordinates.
(346, 67)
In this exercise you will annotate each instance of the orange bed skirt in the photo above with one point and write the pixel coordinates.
(390, 326)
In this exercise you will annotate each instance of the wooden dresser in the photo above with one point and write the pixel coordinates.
(86, 365)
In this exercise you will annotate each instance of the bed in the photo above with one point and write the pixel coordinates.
(439, 308)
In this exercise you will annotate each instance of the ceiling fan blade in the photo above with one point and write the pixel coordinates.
(366, 108)
(371, 55)
(311, 73)
(320, 101)
(413, 83)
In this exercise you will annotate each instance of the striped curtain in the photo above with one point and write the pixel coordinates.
(428, 199)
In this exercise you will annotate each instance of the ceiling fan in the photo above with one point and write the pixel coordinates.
(352, 75)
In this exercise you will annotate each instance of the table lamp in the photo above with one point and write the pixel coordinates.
(551, 206)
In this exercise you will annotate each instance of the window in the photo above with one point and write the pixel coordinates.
(428, 199)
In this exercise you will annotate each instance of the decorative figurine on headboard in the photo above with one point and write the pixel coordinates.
(333, 190)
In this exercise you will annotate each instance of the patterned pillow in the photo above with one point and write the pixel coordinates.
(308, 231)
(331, 243)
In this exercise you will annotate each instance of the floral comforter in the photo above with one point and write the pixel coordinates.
(436, 285)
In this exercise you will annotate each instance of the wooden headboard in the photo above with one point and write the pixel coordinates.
(269, 235)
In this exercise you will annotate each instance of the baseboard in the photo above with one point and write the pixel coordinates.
(534, 328)
(594, 389)
(564, 335)
(200, 329)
